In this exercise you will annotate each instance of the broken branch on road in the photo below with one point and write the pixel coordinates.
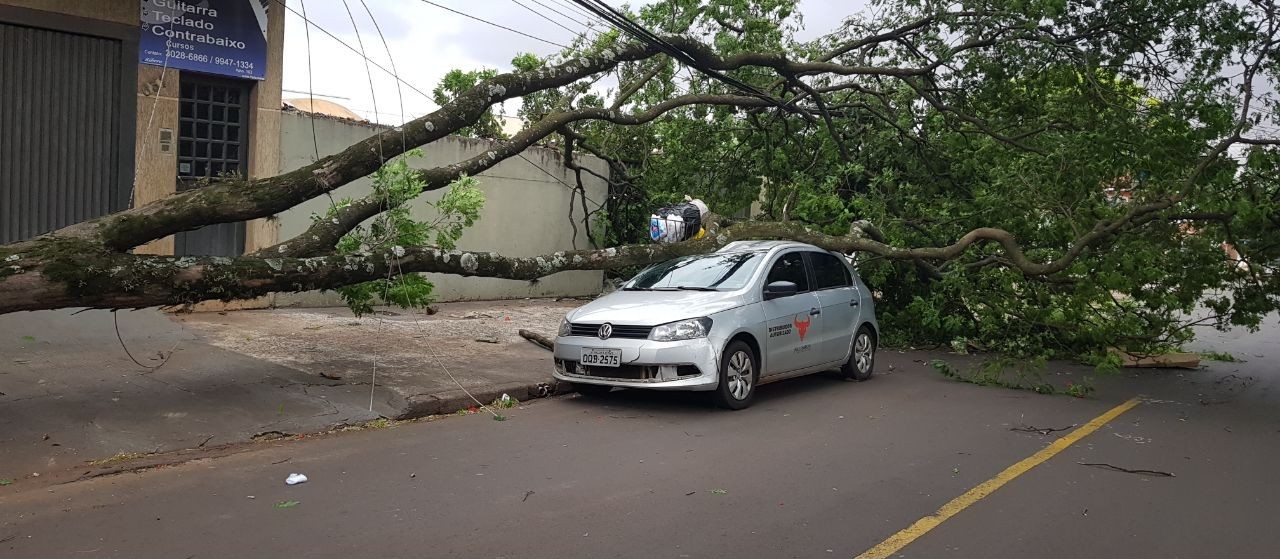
(539, 339)
(1106, 466)
(1040, 430)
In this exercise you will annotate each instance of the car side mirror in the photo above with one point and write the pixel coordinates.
(780, 289)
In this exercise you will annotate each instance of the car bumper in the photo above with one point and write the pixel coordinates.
(683, 365)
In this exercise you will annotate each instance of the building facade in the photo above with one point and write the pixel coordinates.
(115, 103)
(110, 104)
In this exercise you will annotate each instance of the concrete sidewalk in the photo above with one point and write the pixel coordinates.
(70, 395)
(427, 364)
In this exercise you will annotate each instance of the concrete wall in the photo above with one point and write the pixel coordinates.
(525, 211)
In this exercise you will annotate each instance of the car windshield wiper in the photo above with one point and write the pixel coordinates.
(686, 288)
(636, 289)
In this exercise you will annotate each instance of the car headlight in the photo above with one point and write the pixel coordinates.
(564, 328)
(681, 330)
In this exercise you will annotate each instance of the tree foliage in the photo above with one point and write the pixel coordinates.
(1106, 108)
(395, 228)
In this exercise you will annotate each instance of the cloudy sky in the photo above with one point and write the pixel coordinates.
(426, 40)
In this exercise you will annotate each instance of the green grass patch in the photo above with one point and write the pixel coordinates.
(1218, 356)
(1014, 375)
(119, 457)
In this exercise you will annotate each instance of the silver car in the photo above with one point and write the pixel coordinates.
(752, 313)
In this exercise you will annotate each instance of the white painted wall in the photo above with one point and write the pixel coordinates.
(525, 212)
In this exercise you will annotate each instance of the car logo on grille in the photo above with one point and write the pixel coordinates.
(606, 330)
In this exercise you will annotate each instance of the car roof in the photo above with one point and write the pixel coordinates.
(764, 246)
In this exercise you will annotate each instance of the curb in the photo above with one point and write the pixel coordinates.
(450, 401)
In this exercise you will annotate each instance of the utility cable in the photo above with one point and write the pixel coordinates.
(544, 16)
(349, 47)
(562, 14)
(498, 25)
(625, 24)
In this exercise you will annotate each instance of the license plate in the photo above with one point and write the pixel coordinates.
(602, 357)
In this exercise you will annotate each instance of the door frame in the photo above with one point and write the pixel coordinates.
(852, 287)
(238, 230)
(764, 282)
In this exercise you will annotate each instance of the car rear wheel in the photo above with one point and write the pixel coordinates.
(862, 360)
(591, 390)
(739, 373)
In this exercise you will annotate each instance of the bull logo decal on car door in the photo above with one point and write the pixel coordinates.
(802, 327)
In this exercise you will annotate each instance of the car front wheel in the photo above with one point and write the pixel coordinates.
(862, 360)
(739, 372)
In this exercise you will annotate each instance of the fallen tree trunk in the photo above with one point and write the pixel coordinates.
(53, 272)
(542, 341)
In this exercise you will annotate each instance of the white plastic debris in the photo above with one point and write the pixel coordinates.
(295, 479)
(506, 398)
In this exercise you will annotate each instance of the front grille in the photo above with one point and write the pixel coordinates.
(619, 331)
(644, 373)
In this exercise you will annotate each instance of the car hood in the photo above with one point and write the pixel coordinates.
(650, 308)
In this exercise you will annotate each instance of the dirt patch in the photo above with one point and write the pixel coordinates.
(463, 346)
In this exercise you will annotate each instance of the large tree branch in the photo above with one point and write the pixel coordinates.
(893, 34)
(783, 65)
(631, 89)
(1259, 141)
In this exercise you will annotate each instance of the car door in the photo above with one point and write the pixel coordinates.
(839, 301)
(791, 322)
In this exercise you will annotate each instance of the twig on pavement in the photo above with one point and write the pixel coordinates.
(1127, 470)
(1041, 430)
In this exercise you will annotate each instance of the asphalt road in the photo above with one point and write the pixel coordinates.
(817, 468)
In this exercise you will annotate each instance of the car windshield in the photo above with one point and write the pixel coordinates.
(709, 272)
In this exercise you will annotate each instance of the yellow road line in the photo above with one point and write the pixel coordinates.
(921, 527)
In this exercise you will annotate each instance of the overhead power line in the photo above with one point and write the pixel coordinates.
(498, 25)
(563, 15)
(546, 17)
(568, 5)
(351, 48)
(314, 93)
(640, 33)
